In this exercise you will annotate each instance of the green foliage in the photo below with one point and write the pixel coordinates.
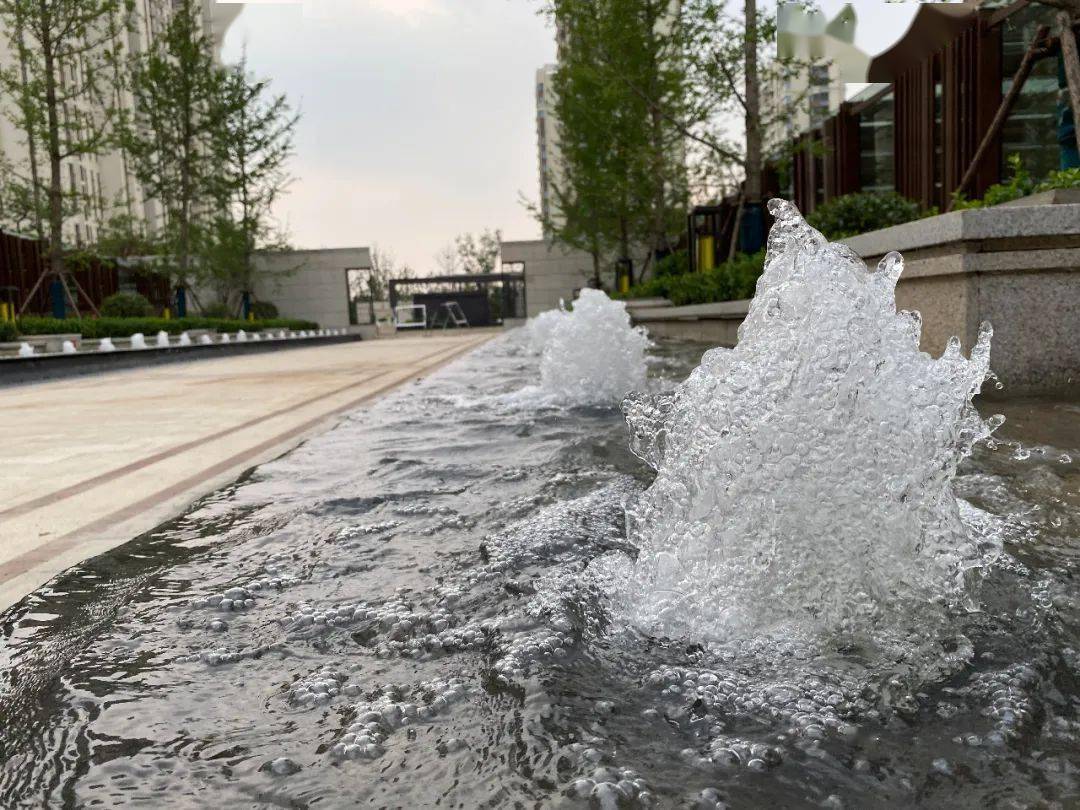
(863, 211)
(730, 281)
(1062, 178)
(263, 310)
(478, 254)
(175, 86)
(1021, 184)
(674, 264)
(252, 143)
(619, 91)
(126, 305)
(126, 327)
(8, 332)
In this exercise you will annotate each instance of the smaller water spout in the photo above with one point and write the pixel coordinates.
(591, 354)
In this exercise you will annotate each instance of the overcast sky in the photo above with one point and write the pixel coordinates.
(419, 115)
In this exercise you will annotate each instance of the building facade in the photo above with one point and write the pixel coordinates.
(547, 140)
(933, 96)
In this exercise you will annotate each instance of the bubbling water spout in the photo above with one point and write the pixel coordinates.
(803, 479)
(590, 355)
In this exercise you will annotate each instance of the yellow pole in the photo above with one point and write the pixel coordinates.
(3, 311)
(167, 314)
(706, 254)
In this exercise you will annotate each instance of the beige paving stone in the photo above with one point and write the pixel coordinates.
(88, 463)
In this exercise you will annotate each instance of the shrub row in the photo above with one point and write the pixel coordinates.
(864, 211)
(126, 327)
(1021, 184)
(730, 281)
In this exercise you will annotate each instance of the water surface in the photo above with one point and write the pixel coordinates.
(412, 626)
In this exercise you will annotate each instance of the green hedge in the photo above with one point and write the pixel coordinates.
(126, 305)
(8, 332)
(730, 281)
(126, 327)
(863, 211)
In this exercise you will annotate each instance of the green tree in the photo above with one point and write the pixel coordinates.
(252, 145)
(478, 254)
(176, 87)
(732, 62)
(619, 86)
(58, 98)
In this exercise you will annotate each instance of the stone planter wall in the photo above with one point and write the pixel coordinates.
(1016, 266)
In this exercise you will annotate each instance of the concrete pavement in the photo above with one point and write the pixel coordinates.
(89, 463)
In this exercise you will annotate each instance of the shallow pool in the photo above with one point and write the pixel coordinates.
(395, 615)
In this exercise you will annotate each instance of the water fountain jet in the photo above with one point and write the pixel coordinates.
(803, 479)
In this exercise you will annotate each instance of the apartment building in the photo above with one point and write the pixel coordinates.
(106, 182)
(547, 138)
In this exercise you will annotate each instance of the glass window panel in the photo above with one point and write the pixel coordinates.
(1031, 128)
(876, 145)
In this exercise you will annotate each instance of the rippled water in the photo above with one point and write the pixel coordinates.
(412, 624)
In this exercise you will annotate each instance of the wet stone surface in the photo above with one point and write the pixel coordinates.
(403, 612)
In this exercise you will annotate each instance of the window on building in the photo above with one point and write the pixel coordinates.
(876, 134)
(1031, 128)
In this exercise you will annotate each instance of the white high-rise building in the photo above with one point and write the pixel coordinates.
(106, 181)
(547, 137)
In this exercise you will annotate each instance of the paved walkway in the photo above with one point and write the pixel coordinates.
(88, 463)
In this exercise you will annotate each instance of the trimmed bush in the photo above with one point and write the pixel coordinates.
(674, 264)
(730, 281)
(8, 332)
(263, 310)
(91, 328)
(126, 305)
(864, 211)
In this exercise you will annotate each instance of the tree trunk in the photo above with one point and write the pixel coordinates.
(659, 156)
(624, 249)
(1071, 58)
(31, 137)
(53, 146)
(752, 96)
